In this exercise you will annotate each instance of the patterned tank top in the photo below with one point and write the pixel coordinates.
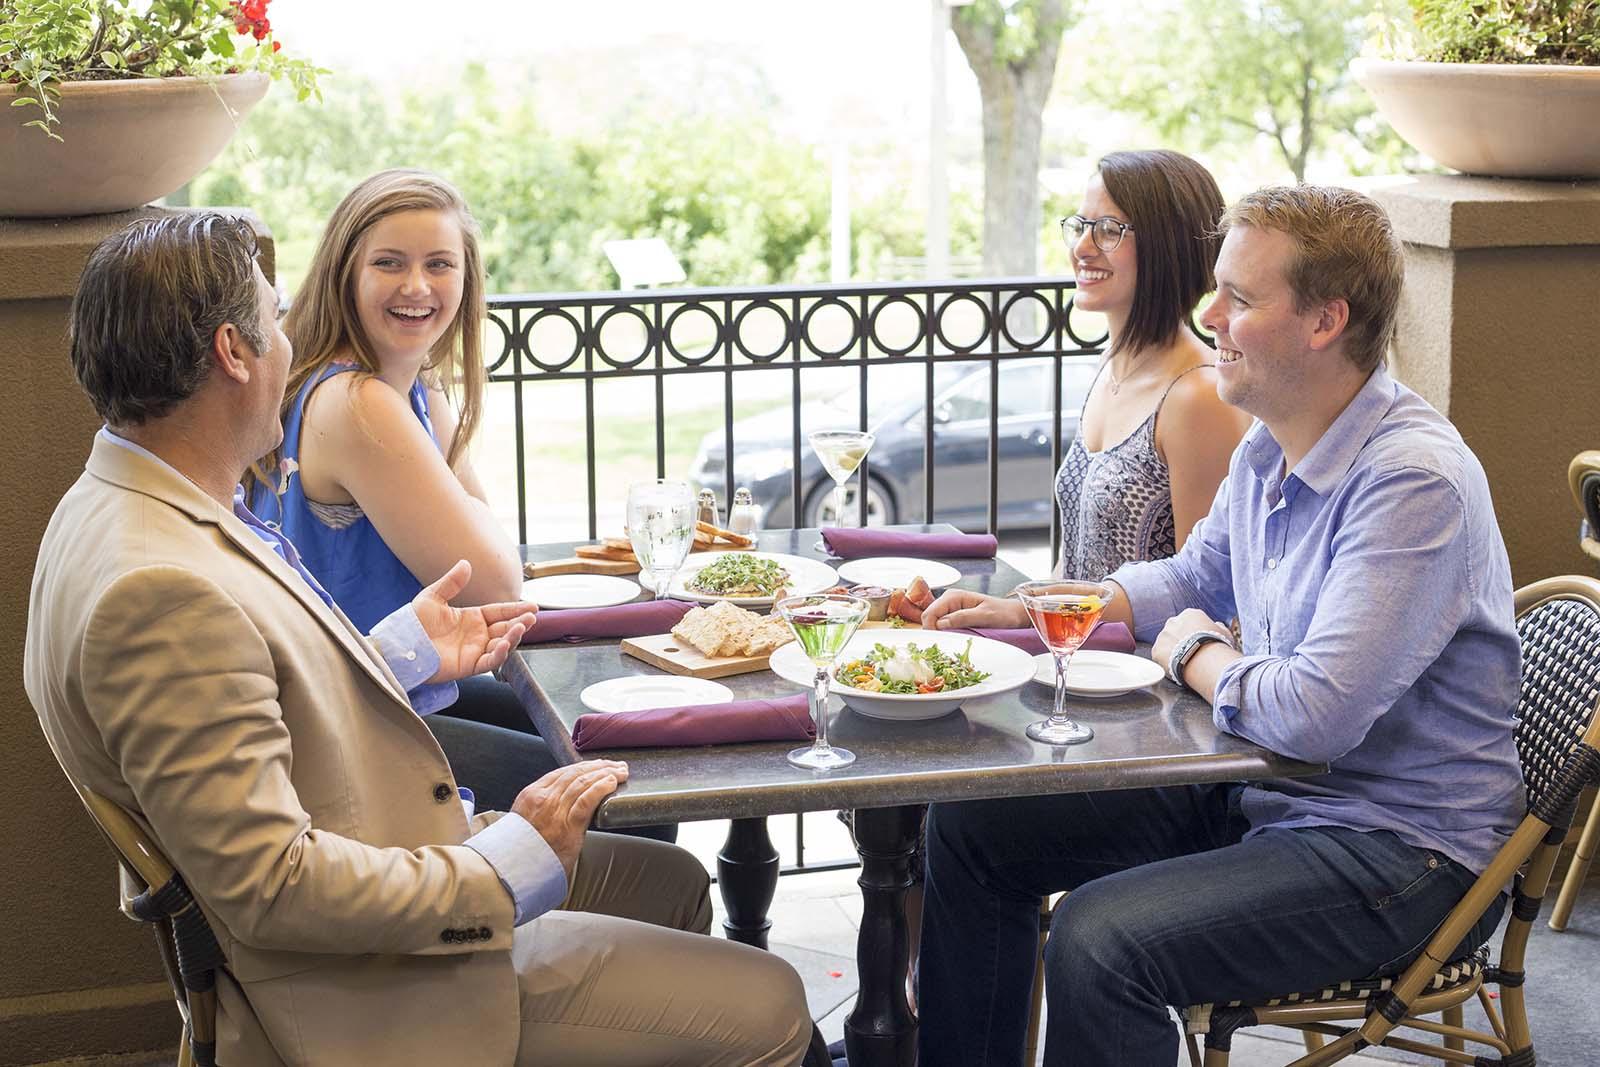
(1116, 504)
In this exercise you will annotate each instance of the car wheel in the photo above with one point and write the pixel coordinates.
(880, 504)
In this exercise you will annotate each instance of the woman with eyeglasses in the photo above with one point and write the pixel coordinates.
(1154, 438)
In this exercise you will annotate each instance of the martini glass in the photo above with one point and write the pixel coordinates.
(823, 625)
(1063, 611)
(841, 452)
(661, 516)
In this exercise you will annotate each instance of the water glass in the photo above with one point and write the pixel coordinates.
(661, 515)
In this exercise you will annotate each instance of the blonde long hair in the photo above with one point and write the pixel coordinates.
(323, 323)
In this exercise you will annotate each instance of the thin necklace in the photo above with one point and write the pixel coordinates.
(1116, 383)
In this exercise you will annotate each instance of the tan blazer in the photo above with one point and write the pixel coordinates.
(180, 668)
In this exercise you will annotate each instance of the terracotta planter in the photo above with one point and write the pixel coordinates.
(125, 143)
(1508, 121)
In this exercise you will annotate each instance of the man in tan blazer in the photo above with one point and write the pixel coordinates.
(185, 666)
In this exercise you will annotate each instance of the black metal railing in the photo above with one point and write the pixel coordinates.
(713, 333)
(717, 334)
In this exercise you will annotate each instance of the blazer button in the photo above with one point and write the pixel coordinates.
(447, 936)
(441, 792)
(484, 933)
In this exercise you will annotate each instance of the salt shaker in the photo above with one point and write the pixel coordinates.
(744, 517)
(707, 510)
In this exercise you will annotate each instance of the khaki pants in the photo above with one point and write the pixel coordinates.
(625, 976)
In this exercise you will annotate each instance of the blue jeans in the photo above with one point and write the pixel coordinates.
(1169, 906)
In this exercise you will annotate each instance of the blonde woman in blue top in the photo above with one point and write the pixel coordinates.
(373, 482)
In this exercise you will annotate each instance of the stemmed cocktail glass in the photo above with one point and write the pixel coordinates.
(661, 517)
(823, 625)
(1063, 611)
(841, 452)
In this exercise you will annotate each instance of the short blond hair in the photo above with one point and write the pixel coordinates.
(1345, 249)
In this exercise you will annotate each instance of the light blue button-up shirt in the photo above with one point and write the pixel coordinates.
(1374, 601)
(524, 862)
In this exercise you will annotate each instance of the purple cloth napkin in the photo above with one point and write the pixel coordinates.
(785, 719)
(849, 543)
(619, 620)
(1106, 637)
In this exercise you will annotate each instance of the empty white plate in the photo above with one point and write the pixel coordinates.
(1100, 674)
(579, 590)
(896, 572)
(643, 692)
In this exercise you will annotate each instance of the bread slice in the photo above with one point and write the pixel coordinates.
(720, 630)
(766, 635)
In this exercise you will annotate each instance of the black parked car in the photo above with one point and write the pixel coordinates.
(763, 447)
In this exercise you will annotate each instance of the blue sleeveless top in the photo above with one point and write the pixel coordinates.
(338, 543)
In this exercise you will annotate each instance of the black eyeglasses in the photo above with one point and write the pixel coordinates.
(1106, 232)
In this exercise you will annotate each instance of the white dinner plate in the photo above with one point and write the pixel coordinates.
(643, 692)
(1100, 674)
(579, 590)
(805, 576)
(1009, 668)
(896, 572)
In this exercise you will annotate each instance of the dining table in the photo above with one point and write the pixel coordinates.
(1160, 735)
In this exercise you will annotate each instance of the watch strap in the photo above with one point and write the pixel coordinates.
(1185, 650)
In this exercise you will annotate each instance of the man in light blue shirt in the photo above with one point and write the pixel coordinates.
(1355, 543)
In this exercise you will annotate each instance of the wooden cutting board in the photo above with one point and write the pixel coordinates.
(574, 565)
(680, 657)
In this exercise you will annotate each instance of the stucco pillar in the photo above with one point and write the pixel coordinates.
(1500, 330)
(77, 978)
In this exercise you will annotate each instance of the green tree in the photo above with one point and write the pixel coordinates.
(1221, 73)
(1012, 48)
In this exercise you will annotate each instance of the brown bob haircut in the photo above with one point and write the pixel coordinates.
(1173, 205)
(1344, 249)
(151, 299)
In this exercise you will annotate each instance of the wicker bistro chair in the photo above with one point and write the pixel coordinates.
(189, 950)
(1584, 477)
(1558, 742)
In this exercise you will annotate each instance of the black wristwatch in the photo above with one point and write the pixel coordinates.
(1184, 651)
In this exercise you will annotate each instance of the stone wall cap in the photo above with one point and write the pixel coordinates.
(1463, 211)
(41, 259)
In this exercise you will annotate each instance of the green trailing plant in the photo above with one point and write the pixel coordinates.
(44, 43)
(1507, 31)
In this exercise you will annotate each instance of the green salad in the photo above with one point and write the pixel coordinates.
(910, 669)
(738, 575)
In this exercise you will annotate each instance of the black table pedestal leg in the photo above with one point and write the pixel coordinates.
(747, 874)
(881, 1031)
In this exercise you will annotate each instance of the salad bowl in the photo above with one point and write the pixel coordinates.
(1007, 668)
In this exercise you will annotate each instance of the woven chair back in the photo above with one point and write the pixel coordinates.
(1560, 685)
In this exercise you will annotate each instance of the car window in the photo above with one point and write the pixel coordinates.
(1024, 390)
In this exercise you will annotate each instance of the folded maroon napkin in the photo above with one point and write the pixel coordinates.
(849, 543)
(619, 620)
(784, 719)
(1107, 637)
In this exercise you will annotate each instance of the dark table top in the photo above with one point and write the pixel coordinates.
(1156, 736)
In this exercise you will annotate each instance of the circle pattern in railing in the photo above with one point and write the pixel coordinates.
(754, 307)
(851, 336)
(888, 303)
(647, 345)
(945, 308)
(832, 324)
(1013, 306)
(669, 334)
